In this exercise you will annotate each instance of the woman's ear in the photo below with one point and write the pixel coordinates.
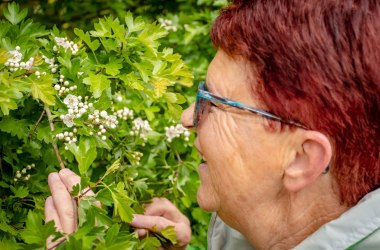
(311, 159)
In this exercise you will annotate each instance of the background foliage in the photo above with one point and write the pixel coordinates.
(123, 65)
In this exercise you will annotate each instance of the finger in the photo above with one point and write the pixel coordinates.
(70, 179)
(156, 224)
(163, 207)
(63, 203)
(141, 232)
(51, 213)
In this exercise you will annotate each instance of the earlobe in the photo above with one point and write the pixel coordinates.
(309, 162)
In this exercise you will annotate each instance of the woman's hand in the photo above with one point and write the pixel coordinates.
(160, 214)
(60, 206)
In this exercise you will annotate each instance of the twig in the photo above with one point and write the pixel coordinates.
(48, 112)
(76, 204)
(36, 125)
(60, 241)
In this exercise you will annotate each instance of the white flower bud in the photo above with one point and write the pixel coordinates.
(18, 48)
(38, 73)
(99, 133)
(103, 130)
(91, 133)
(104, 137)
(23, 171)
(62, 117)
(57, 87)
(90, 105)
(18, 175)
(66, 83)
(103, 113)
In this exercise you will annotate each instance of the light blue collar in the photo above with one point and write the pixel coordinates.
(350, 228)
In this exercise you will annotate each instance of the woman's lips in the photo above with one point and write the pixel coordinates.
(202, 167)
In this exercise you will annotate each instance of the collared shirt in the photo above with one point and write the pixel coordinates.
(357, 228)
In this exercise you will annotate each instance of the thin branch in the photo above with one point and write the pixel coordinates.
(48, 112)
(36, 125)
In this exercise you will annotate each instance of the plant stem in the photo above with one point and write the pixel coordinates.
(48, 112)
(37, 123)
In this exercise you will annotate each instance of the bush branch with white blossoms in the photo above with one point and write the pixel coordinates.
(98, 104)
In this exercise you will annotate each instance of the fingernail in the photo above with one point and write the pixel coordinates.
(66, 172)
(141, 232)
(54, 176)
(134, 219)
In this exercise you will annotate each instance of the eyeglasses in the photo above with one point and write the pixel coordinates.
(205, 97)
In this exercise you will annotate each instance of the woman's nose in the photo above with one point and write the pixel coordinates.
(187, 117)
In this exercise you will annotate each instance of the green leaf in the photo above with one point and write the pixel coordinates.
(42, 88)
(122, 205)
(113, 168)
(15, 127)
(13, 14)
(10, 92)
(170, 234)
(113, 67)
(85, 153)
(3, 56)
(134, 25)
(93, 45)
(8, 228)
(150, 35)
(98, 83)
(35, 232)
(6, 244)
(160, 86)
(20, 191)
(149, 243)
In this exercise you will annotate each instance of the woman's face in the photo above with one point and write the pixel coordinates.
(244, 161)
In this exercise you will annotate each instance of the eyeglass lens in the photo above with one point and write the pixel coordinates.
(200, 107)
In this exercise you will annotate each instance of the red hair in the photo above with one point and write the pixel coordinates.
(318, 63)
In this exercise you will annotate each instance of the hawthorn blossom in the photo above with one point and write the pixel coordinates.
(176, 131)
(71, 101)
(66, 44)
(68, 120)
(141, 126)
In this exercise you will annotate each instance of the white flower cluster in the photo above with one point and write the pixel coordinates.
(14, 62)
(66, 44)
(176, 131)
(124, 113)
(23, 173)
(65, 88)
(76, 108)
(137, 156)
(52, 65)
(102, 120)
(167, 24)
(69, 137)
(140, 127)
(38, 74)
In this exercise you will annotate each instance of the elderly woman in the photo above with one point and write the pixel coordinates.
(288, 127)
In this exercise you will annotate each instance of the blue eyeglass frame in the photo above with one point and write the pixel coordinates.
(204, 94)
